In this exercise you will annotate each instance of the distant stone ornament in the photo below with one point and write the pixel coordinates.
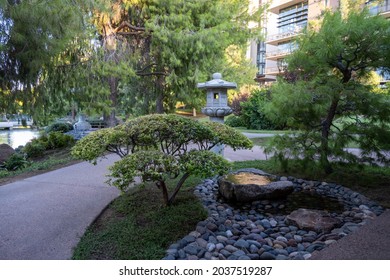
(82, 124)
(251, 185)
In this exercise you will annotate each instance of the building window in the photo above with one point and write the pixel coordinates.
(378, 7)
(261, 57)
(293, 18)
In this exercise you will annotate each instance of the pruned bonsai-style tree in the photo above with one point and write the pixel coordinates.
(160, 147)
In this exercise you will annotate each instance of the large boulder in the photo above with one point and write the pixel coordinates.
(6, 151)
(312, 220)
(247, 186)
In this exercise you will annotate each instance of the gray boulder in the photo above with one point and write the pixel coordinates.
(249, 186)
(312, 220)
(6, 151)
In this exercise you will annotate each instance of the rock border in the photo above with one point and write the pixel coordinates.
(252, 233)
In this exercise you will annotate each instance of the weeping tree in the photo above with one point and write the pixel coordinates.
(161, 147)
(325, 94)
(99, 56)
(176, 44)
(32, 35)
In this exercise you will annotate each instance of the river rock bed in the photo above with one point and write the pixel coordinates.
(259, 231)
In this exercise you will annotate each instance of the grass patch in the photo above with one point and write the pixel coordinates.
(243, 129)
(136, 226)
(261, 141)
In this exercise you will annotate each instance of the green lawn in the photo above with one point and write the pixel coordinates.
(136, 226)
(243, 129)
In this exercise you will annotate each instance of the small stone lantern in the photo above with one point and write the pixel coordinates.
(82, 124)
(216, 106)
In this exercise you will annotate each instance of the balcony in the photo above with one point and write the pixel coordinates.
(383, 9)
(263, 79)
(275, 39)
(276, 6)
(278, 54)
(273, 71)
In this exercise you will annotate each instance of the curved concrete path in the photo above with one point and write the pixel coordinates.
(43, 217)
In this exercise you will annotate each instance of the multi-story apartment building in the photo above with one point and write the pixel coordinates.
(283, 22)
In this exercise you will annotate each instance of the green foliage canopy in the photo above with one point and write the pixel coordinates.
(32, 35)
(157, 147)
(324, 93)
(153, 52)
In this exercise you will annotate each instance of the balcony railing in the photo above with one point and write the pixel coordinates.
(283, 35)
(276, 6)
(278, 53)
(381, 8)
(273, 70)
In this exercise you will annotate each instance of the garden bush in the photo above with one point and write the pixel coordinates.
(157, 147)
(252, 113)
(237, 101)
(59, 127)
(235, 121)
(59, 140)
(54, 140)
(34, 148)
(249, 110)
(15, 162)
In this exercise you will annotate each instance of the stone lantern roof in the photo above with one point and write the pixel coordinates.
(217, 82)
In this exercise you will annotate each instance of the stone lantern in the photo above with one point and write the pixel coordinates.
(82, 124)
(216, 106)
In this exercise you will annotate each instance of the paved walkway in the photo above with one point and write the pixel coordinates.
(43, 217)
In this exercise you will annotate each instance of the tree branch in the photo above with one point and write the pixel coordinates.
(152, 74)
(128, 33)
(146, 67)
(128, 25)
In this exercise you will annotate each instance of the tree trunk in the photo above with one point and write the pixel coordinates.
(161, 185)
(178, 187)
(160, 103)
(326, 125)
(160, 94)
(110, 118)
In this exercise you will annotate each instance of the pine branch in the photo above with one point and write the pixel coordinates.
(152, 74)
(128, 25)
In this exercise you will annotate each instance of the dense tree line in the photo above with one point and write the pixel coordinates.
(137, 56)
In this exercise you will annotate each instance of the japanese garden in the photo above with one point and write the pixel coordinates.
(205, 159)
